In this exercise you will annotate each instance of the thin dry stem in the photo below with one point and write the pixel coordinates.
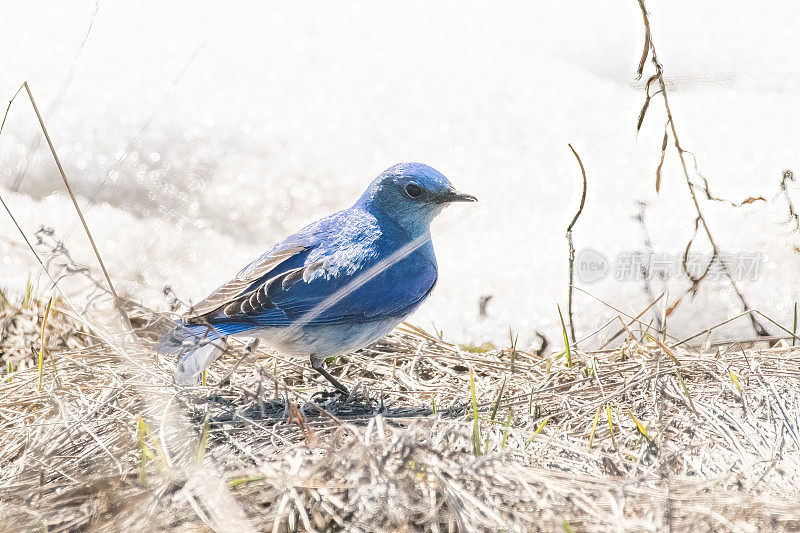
(701, 221)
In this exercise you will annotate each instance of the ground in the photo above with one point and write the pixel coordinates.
(645, 436)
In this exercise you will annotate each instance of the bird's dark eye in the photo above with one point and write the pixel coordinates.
(413, 190)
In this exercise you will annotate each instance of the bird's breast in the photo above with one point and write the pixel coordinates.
(329, 340)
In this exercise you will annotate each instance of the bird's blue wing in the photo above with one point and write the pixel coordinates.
(273, 263)
(344, 277)
(373, 291)
(287, 255)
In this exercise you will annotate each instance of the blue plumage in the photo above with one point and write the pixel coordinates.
(335, 286)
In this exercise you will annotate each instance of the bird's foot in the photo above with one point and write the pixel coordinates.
(352, 397)
(382, 408)
(325, 396)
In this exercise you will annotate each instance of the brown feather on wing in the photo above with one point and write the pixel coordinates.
(233, 291)
(257, 301)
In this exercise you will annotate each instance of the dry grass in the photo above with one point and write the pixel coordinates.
(641, 437)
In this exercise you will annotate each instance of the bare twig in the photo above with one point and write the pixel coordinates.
(701, 221)
(572, 247)
(793, 217)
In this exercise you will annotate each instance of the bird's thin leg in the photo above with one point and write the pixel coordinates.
(316, 364)
(248, 349)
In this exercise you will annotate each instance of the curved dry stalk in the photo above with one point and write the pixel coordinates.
(572, 247)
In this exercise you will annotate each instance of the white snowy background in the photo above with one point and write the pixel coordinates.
(206, 132)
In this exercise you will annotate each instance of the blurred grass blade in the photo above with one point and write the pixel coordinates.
(41, 349)
(201, 449)
(664, 316)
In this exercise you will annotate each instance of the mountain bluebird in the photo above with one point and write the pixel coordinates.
(335, 286)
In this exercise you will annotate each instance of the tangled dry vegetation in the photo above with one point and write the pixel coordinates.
(642, 437)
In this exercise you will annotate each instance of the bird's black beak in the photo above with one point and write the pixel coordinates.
(455, 196)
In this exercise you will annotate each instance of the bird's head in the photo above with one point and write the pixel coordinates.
(411, 194)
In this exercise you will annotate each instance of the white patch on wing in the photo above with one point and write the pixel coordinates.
(349, 252)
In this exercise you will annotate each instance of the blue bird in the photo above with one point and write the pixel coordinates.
(334, 287)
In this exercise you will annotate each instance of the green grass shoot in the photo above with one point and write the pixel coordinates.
(735, 380)
(478, 348)
(566, 339)
(611, 425)
(28, 291)
(678, 373)
(476, 427)
(594, 425)
(497, 402)
(141, 433)
(513, 342)
(639, 426)
(505, 431)
(244, 480)
(541, 427)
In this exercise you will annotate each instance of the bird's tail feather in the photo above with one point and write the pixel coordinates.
(192, 364)
(195, 352)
